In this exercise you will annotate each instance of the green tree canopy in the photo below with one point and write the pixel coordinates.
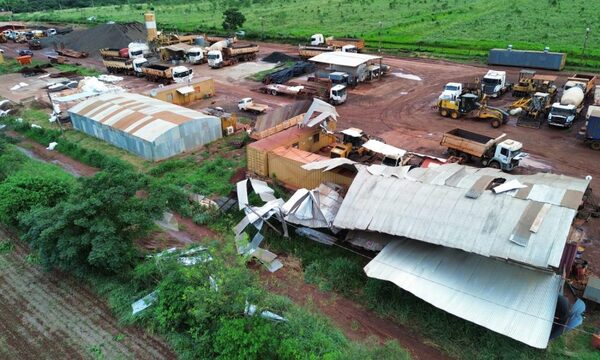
(94, 229)
(233, 19)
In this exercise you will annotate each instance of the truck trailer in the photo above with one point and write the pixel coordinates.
(232, 54)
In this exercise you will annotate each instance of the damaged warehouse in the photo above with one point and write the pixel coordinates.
(458, 237)
(150, 128)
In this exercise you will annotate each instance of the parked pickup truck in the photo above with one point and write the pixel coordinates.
(495, 153)
(246, 104)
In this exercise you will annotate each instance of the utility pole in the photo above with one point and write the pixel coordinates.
(262, 28)
(585, 40)
(380, 27)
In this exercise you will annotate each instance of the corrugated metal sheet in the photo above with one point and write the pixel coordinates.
(430, 205)
(148, 127)
(272, 118)
(343, 58)
(505, 298)
(525, 58)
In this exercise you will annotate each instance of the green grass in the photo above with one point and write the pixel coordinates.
(79, 70)
(12, 66)
(450, 27)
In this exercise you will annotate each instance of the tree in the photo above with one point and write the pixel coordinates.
(233, 19)
(20, 192)
(94, 229)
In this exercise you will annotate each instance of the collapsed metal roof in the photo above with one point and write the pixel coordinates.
(451, 205)
(473, 287)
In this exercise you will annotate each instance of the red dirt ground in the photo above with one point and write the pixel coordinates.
(53, 316)
(356, 322)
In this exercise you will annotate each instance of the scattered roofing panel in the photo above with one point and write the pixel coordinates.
(475, 288)
(431, 205)
(343, 58)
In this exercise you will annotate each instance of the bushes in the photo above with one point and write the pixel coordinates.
(21, 192)
(340, 274)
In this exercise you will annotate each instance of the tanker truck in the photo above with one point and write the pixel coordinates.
(564, 113)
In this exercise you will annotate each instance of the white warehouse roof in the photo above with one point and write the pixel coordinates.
(343, 58)
(505, 298)
(451, 205)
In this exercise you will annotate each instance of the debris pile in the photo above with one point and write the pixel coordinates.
(284, 75)
(101, 36)
(279, 57)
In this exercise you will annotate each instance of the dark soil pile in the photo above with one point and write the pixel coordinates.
(101, 36)
(279, 57)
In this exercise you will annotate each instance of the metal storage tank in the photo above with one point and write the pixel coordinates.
(150, 128)
(526, 58)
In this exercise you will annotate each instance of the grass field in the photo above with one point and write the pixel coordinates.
(453, 28)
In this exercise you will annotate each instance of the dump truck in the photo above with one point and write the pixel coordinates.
(350, 44)
(112, 53)
(232, 54)
(247, 104)
(335, 95)
(587, 83)
(491, 152)
(308, 51)
(195, 55)
(471, 104)
(125, 66)
(166, 74)
(565, 112)
(591, 131)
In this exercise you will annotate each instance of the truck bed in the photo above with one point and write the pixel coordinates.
(467, 142)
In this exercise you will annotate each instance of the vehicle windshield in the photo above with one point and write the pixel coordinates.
(562, 112)
(488, 81)
(213, 57)
(136, 52)
(451, 87)
(338, 92)
(193, 54)
(182, 74)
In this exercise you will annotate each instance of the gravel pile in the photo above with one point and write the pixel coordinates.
(101, 36)
(279, 57)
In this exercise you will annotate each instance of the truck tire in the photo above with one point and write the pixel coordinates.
(444, 112)
(494, 165)
(454, 115)
(595, 145)
(496, 123)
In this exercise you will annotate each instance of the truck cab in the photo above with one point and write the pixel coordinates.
(317, 39)
(137, 50)
(215, 58)
(195, 55)
(338, 94)
(182, 74)
(493, 83)
(508, 154)
(137, 65)
(51, 32)
(451, 91)
(591, 131)
(339, 77)
(562, 115)
(349, 49)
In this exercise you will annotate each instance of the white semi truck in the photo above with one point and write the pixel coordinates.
(494, 84)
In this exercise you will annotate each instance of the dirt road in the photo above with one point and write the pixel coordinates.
(53, 316)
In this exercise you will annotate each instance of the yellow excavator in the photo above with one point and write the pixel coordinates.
(471, 104)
